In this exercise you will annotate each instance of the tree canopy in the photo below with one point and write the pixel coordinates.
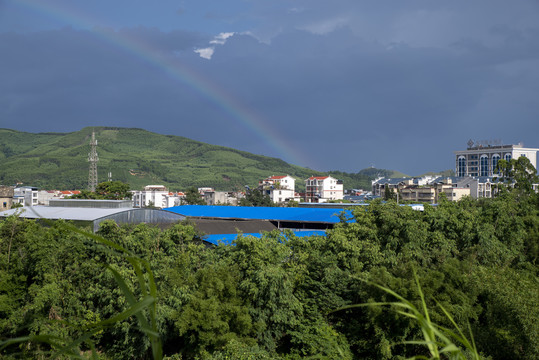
(108, 190)
(282, 296)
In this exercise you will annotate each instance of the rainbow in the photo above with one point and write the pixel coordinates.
(178, 71)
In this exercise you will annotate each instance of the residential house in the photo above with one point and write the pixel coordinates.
(323, 189)
(25, 195)
(152, 195)
(221, 198)
(280, 188)
(6, 197)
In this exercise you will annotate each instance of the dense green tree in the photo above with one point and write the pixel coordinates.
(276, 296)
(518, 173)
(192, 197)
(109, 190)
(256, 197)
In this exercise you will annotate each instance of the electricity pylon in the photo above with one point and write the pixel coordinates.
(93, 159)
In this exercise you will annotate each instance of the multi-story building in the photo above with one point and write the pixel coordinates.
(221, 198)
(428, 189)
(323, 189)
(280, 189)
(481, 159)
(379, 185)
(282, 181)
(431, 193)
(25, 195)
(157, 196)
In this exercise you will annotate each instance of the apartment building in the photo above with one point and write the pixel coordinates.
(481, 158)
(428, 189)
(25, 195)
(431, 193)
(323, 189)
(157, 196)
(221, 197)
(279, 188)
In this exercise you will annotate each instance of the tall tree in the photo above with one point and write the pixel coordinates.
(192, 197)
(109, 190)
(256, 197)
(517, 173)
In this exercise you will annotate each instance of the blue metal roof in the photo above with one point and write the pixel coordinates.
(229, 239)
(262, 213)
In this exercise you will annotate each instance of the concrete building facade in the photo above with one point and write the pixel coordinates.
(157, 196)
(280, 188)
(323, 189)
(481, 159)
(26, 195)
(6, 197)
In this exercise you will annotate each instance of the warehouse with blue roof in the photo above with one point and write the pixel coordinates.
(301, 221)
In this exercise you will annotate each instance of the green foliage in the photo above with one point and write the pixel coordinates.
(440, 342)
(108, 190)
(518, 174)
(192, 197)
(274, 297)
(139, 157)
(256, 197)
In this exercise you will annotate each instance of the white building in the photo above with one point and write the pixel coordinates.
(157, 196)
(481, 159)
(25, 195)
(283, 182)
(323, 189)
(280, 189)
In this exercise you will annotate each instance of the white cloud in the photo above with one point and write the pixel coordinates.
(205, 53)
(219, 39)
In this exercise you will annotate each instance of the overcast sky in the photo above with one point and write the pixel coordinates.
(327, 84)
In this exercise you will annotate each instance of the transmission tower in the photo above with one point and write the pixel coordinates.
(93, 159)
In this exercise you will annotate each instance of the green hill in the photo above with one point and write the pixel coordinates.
(140, 157)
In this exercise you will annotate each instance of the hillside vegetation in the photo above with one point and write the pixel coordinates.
(139, 157)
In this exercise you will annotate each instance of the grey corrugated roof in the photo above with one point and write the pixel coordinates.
(66, 213)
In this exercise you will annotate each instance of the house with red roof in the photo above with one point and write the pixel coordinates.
(280, 188)
(323, 188)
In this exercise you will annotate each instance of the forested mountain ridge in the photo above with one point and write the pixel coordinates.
(140, 157)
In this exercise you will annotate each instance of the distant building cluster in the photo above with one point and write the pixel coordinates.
(30, 196)
(156, 204)
(475, 175)
(475, 170)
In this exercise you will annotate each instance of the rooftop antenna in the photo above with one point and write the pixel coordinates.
(93, 159)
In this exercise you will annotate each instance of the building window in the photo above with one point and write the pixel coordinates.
(495, 159)
(507, 157)
(461, 168)
(484, 165)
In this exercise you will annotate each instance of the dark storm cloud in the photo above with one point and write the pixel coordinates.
(348, 85)
(74, 78)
